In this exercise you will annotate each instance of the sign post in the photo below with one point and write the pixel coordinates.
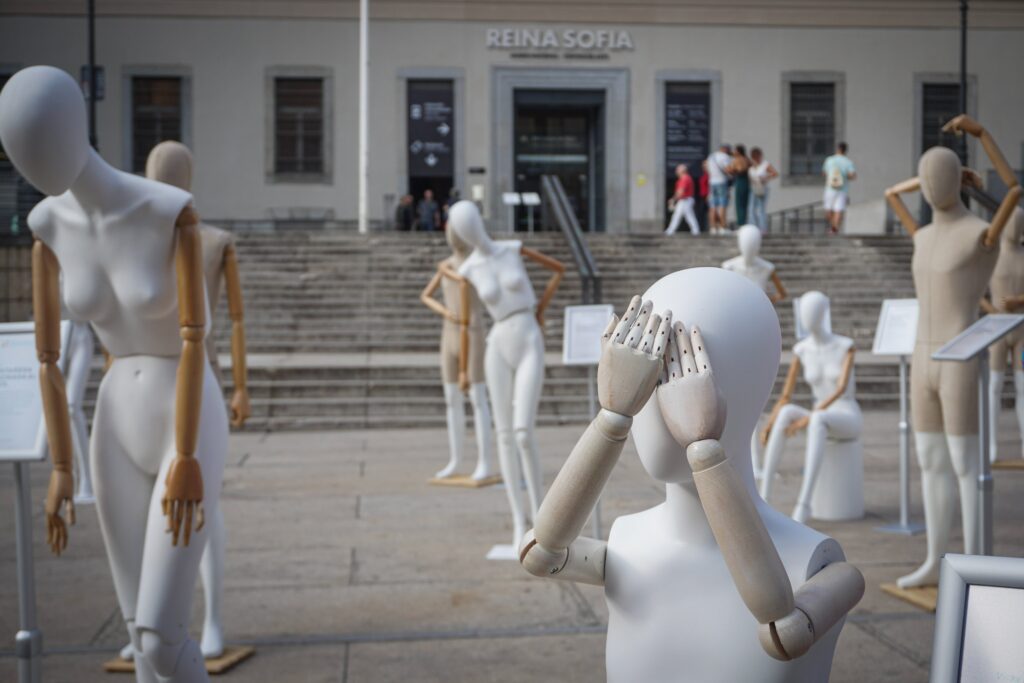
(972, 344)
(22, 441)
(511, 200)
(531, 200)
(581, 345)
(895, 336)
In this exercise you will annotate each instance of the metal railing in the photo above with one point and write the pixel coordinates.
(803, 219)
(557, 209)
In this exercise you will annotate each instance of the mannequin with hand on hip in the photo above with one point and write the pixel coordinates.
(514, 358)
(171, 162)
(953, 261)
(827, 363)
(462, 360)
(1006, 290)
(683, 579)
(130, 255)
(750, 265)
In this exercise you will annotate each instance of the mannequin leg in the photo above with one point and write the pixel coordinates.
(211, 573)
(839, 423)
(995, 406)
(482, 426)
(455, 413)
(528, 384)
(937, 488)
(499, 386)
(1018, 400)
(963, 451)
(777, 444)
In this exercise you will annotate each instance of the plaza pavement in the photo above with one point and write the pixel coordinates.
(344, 566)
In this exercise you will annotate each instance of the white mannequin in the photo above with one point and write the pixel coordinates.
(1007, 296)
(683, 579)
(114, 236)
(750, 265)
(827, 363)
(953, 261)
(514, 359)
(81, 348)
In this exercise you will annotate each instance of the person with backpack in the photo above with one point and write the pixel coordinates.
(838, 171)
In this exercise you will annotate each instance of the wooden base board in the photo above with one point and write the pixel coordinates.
(465, 481)
(924, 597)
(1008, 464)
(232, 657)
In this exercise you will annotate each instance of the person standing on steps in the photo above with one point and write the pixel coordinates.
(738, 169)
(838, 170)
(404, 215)
(428, 213)
(718, 183)
(681, 203)
(761, 173)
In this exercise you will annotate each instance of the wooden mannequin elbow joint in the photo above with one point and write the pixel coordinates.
(192, 333)
(540, 561)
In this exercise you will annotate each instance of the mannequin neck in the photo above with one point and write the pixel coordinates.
(820, 337)
(487, 246)
(96, 187)
(951, 214)
(749, 259)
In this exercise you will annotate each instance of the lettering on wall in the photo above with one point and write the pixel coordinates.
(542, 43)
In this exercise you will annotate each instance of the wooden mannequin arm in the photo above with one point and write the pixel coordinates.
(46, 308)
(787, 394)
(892, 195)
(844, 380)
(184, 493)
(240, 408)
(987, 306)
(428, 300)
(790, 624)
(550, 549)
(780, 290)
(557, 270)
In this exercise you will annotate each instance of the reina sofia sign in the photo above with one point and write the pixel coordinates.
(552, 39)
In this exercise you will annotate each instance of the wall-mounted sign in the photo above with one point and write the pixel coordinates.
(431, 128)
(607, 40)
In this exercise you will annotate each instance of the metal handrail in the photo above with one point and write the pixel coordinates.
(556, 205)
(789, 220)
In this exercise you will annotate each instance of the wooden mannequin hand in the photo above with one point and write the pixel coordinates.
(183, 497)
(61, 493)
(796, 426)
(540, 319)
(1011, 303)
(240, 408)
(453, 317)
(632, 358)
(970, 178)
(463, 382)
(963, 124)
(690, 402)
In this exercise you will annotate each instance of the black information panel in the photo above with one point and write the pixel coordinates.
(687, 129)
(431, 128)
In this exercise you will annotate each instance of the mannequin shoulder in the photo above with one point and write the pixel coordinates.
(511, 246)
(43, 218)
(765, 265)
(800, 348)
(804, 551)
(164, 202)
(215, 237)
(844, 344)
(731, 264)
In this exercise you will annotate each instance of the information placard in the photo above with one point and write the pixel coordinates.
(978, 337)
(22, 429)
(584, 325)
(897, 328)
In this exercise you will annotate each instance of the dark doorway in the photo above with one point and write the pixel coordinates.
(561, 133)
(430, 138)
(687, 137)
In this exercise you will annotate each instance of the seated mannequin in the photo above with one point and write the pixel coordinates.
(750, 265)
(683, 579)
(827, 362)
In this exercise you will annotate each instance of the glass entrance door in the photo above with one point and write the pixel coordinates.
(561, 133)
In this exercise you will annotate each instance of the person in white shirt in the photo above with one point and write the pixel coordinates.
(718, 195)
(761, 173)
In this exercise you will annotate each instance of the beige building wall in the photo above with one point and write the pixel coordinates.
(227, 61)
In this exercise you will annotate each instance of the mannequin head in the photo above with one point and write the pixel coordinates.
(44, 127)
(170, 162)
(459, 247)
(749, 240)
(939, 173)
(743, 339)
(813, 308)
(464, 220)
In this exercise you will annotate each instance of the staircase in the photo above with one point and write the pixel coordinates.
(338, 338)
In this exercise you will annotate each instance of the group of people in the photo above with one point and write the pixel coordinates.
(426, 215)
(729, 174)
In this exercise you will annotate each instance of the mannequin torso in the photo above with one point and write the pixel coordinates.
(500, 279)
(822, 363)
(757, 270)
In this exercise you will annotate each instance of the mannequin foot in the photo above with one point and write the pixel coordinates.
(448, 471)
(212, 645)
(482, 472)
(926, 575)
(802, 512)
(127, 653)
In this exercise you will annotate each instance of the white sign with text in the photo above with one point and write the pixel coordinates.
(897, 328)
(584, 325)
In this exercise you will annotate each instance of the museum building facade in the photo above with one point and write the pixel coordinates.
(488, 96)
